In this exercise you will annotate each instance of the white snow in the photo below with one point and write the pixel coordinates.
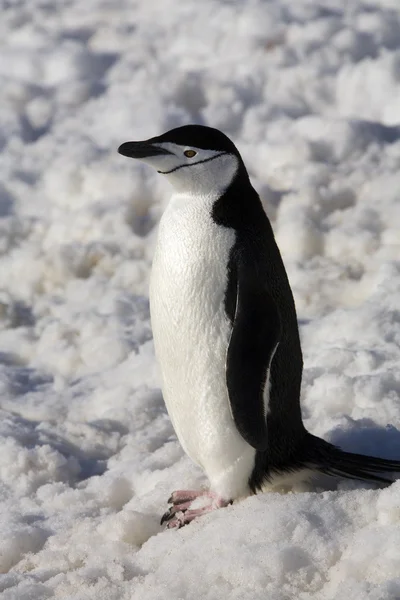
(310, 92)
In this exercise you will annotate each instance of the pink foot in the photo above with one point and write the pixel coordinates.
(175, 508)
(179, 514)
(185, 495)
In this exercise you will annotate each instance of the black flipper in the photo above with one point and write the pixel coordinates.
(329, 459)
(254, 338)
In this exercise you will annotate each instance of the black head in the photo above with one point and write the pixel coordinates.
(194, 157)
(200, 136)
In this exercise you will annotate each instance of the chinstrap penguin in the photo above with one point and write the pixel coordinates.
(225, 330)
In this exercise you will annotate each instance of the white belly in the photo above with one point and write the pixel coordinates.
(191, 336)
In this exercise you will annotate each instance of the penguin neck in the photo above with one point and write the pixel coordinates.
(240, 204)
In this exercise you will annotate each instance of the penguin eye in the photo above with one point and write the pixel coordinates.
(190, 153)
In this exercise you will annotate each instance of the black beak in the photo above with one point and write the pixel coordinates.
(141, 150)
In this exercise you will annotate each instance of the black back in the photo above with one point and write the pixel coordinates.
(240, 208)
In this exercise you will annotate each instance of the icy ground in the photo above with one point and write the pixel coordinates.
(310, 92)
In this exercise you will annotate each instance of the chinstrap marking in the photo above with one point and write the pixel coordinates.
(199, 162)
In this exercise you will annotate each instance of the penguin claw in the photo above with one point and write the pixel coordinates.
(184, 518)
(173, 510)
(179, 514)
(167, 516)
(177, 522)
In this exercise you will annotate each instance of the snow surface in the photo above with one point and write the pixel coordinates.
(310, 92)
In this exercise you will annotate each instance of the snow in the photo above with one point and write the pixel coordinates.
(310, 92)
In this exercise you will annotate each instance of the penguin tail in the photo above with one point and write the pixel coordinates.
(327, 458)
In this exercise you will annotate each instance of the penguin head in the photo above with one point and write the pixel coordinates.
(194, 158)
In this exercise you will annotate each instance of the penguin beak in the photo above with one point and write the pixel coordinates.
(141, 150)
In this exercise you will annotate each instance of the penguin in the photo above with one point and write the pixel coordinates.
(226, 333)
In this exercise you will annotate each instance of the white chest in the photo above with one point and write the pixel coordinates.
(189, 272)
(187, 289)
(191, 335)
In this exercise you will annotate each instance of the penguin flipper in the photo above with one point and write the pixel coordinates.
(254, 338)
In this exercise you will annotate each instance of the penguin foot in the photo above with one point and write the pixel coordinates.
(179, 514)
(184, 518)
(186, 495)
(173, 510)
